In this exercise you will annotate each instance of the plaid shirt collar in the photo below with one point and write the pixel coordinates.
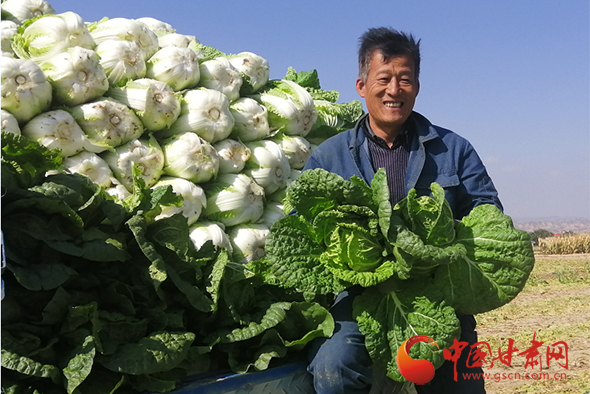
(402, 139)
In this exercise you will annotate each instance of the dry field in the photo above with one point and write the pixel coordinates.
(554, 306)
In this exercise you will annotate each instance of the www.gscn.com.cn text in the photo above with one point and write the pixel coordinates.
(501, 376)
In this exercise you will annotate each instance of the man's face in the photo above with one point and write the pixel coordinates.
(390, 93)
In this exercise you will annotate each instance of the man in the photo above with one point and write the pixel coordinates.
(414, 153)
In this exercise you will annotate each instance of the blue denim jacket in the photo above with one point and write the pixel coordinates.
(436, 155)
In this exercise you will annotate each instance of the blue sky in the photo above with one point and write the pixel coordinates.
(513, 77)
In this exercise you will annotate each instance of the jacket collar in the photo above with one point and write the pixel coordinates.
(424, 130)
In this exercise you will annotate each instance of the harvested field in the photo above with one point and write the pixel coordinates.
(553, 307)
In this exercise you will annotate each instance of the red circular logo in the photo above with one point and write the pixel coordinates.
(416, 371)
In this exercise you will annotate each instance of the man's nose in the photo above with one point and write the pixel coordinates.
(393, 87)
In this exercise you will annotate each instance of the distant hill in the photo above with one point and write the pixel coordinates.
(553, 224)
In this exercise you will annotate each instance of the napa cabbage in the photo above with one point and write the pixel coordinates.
(20, 11)
(25, 91)
(9, 122)
(47, 35)
(332, 117)
(339, 235)
(419, 266)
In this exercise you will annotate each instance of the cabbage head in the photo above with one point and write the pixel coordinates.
(336, 240)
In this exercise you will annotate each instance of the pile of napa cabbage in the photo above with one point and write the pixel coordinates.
(141, 170)
(119, 92)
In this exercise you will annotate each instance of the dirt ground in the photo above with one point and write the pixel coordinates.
(554, 306)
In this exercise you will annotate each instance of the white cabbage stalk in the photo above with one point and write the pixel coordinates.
(190, 157)
(25, 91)
(203, 231)
(19, 11)
(157, 26)
(144, 153)
(279, 195)
(296, 148)
(220, 75)
(75, 75)
(282, 113)
(154, 102)
(118, 191)
(121, 60)
(9, 122)
(107, 123)
(234, 199)
(50, 35)
(177, 40)
(205, 112)
(268, 165)
(233, 156)
(304, 100)
(56, 130)
(294, 175)
(273, 211)
(251, 119)
(254, 69)
(193, 199)
(307, 113)
(248, 241)
(178, 67)
(91, 165)
(8, 29)
(124, 29)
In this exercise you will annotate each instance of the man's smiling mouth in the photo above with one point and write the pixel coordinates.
(393, 105)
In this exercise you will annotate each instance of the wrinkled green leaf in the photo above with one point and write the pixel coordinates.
(259, 360)
(195, 295)
(80, 365)
(155, 353)
(496, 262)
(215, 277)
(42, 276)
(78, 316)
(25, 162)
(56, 309)
(118, 329)
(273, 316)
(430, 218)
(172, 233)
(293, 259)
(157, 269)
(388, 318)
(29, 367)
(307, 79)
(310, 319)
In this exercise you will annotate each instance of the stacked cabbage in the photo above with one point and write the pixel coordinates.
(124, 98)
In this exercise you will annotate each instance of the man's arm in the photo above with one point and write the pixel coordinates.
(476, 186)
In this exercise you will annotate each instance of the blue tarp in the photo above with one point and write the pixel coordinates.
(289, 379)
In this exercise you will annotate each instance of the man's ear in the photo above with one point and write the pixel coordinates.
(360, 87)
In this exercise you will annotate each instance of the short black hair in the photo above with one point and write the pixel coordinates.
(390, 43)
